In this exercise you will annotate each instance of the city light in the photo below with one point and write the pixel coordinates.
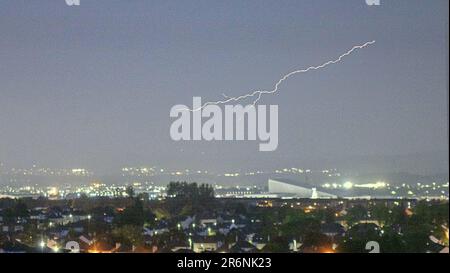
(348, 185)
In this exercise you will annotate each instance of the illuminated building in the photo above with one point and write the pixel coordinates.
(299, 190)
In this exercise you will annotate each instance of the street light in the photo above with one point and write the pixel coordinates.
(42, 245)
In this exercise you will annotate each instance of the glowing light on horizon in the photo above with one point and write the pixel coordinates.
(348, 185)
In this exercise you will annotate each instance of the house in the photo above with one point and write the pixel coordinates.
(436, 246)
(187, 222)
(160, 228)
(208, 222)
(84, 242)
(180, 247)
(363, 229)
(332, 229)
(58, 232)
(18, 228)
(183, 250)
(242, 246)
(228, 227)
(206, 244)
(55, 218)
(175, 244)
(12, 228)
(38, 214)
(204, 231)
(76, 227)
(258, 241)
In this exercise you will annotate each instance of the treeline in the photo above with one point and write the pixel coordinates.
(189, 191)
(13, 208)
(189, 198)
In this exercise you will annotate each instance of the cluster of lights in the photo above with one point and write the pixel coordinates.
(47, 172)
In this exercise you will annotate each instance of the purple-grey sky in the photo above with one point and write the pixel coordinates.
(92, 86)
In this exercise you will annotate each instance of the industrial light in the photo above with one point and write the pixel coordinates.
(348, 185)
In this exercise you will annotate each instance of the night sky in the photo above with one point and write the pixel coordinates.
(92, 86)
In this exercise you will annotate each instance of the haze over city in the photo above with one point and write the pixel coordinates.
(91, 87)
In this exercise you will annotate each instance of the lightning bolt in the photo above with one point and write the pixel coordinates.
(259, 93)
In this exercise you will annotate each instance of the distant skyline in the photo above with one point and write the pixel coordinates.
(92, 86)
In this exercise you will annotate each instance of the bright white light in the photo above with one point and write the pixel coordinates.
(348, 185)
(376, 185)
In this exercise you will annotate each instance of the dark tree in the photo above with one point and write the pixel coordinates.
(130, 191)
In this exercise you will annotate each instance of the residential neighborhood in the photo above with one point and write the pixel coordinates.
(191, 220)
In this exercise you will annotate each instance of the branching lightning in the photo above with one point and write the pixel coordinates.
(259, 93)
